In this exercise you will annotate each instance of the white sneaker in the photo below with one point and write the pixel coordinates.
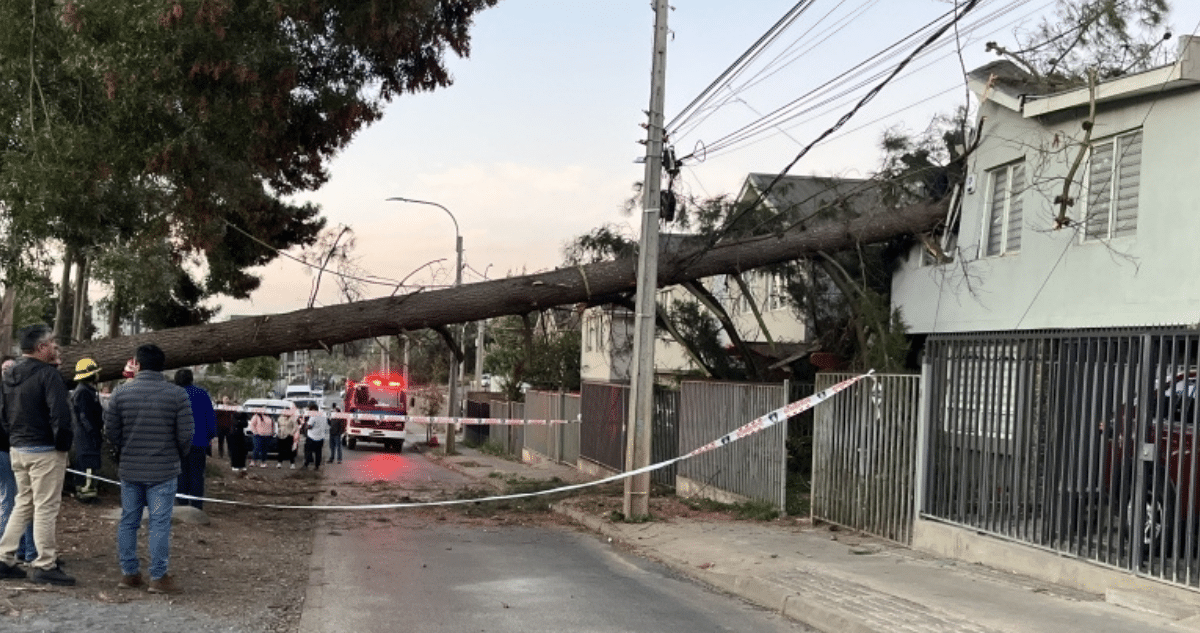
(279, 464)
(293, 466)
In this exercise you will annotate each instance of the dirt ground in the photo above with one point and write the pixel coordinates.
(248, 556)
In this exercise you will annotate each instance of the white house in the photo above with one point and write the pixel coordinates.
(1124, 254)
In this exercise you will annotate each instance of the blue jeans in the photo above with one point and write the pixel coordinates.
(335, 447)
(261, 443)
(191, 477)
(8, 498)
(160, 498)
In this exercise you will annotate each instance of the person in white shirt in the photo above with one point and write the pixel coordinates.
(316, 429)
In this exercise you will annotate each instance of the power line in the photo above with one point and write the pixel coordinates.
(801, 105)
(843, 120)
(750, 54)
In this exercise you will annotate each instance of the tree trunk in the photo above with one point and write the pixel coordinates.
(81, 302)
(62, 327)
(8, 313)
(320, 328)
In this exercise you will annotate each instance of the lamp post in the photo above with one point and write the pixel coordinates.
(458, 266)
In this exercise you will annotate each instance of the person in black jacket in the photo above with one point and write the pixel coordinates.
(89, 422)
(37, 417)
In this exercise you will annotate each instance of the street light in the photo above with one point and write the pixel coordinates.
(458, 266)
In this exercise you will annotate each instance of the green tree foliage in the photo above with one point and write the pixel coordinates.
(130, 124)
(259, 368)
(544, 356)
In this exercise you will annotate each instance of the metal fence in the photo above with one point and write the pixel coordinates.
(558, 442)
(752, 467)
(865, 453)
(604, 409)
(510, 439)
(1082, 443)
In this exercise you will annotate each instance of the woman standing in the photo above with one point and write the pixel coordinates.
(285, 437)
(263, 428)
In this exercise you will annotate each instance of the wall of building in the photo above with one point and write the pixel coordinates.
(1056, 280)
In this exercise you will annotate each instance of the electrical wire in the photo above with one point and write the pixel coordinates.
(804, 104)
(749, 55)
(733, 220)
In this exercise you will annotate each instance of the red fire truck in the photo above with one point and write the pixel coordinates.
(376, 395)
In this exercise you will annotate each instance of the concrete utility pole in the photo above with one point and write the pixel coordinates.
(479, 328)
(641, 395)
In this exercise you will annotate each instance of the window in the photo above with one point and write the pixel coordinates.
(777, 295)
(1113, 184)
(1006, 184)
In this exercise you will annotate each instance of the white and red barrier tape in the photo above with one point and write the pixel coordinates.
(383, 417)
(754, 426)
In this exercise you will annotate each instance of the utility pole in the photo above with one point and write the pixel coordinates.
(641, 394)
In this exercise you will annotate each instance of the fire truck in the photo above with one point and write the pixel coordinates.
(376, 394)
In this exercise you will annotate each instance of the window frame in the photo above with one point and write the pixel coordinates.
(1115, 171)
(1007, 170)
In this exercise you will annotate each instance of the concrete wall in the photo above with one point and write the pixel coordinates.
(1056, 280)
(1118, 587)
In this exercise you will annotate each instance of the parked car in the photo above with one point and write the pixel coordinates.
(1170, 501)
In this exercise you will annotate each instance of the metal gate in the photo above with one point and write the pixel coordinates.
(1079, 442)
(753, 467)
(864, 455)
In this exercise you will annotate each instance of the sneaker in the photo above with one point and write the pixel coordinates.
(293, 467)
(166, 584)
(52, 576)
(279, 464)
(11, 571)
(133, 581)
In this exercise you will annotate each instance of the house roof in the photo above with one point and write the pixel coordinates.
(809, 191)
(1007, 84)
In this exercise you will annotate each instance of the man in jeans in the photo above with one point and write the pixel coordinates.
(36, 415)
(149, 420)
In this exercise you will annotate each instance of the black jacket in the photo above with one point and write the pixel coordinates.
(35, 409)
(89, 420)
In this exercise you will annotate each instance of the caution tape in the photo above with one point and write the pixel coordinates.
(764, 422)
(384, 417)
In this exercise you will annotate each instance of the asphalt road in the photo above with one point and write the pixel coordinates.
(400, 572)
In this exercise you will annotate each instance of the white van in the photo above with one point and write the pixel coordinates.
(303, 395)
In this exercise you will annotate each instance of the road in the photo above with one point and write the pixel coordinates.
(403, 571)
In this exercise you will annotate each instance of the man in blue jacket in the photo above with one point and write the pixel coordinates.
(36, 415)
(191, 480)
(149, 421)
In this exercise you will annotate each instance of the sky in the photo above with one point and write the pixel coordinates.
(537, 140)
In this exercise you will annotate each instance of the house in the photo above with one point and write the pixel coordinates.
(608, 331)
(1061, 351)
(1120, 257)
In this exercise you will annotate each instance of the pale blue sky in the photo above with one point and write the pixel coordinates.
(535, 142)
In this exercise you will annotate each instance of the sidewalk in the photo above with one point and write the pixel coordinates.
(840, 582)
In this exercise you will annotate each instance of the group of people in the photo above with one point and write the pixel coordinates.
(159, 430)
(286, 431)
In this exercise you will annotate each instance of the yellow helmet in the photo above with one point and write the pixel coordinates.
(86, 367)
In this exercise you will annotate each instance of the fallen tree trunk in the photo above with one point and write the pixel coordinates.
(321, 328)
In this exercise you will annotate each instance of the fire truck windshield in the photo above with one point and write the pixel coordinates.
(367, 395)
